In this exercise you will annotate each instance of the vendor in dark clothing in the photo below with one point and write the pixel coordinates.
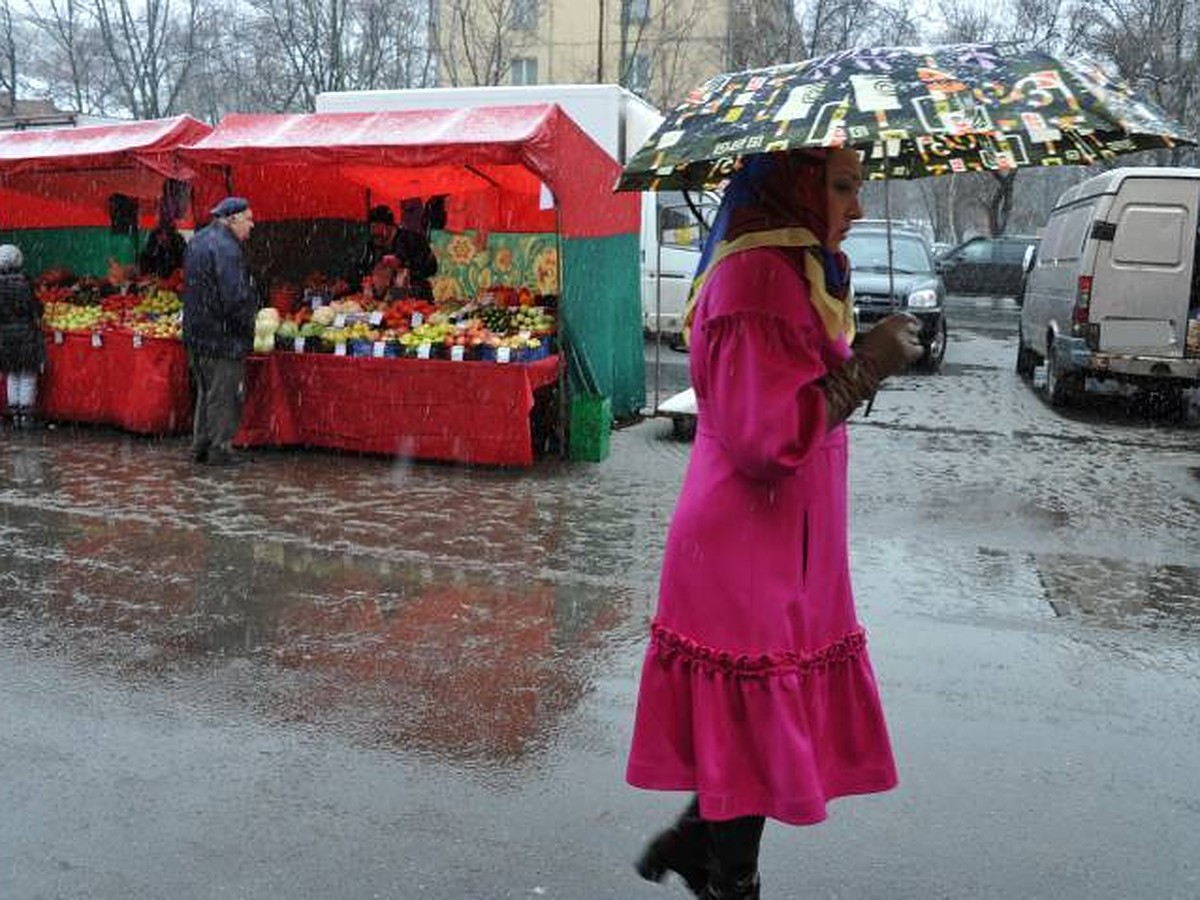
(219, 307)
(411, 249)
(163, 253)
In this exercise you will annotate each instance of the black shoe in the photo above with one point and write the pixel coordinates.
(682, 849)
(200, 456)
(746, 889)
(224, 458)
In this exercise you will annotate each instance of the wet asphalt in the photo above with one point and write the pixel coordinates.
(335, 676)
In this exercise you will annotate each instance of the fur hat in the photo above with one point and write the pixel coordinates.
(11, 258)
(230, 206)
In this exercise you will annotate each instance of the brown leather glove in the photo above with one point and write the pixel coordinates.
(888, 348)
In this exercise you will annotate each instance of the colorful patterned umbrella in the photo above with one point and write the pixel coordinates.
(915, 111)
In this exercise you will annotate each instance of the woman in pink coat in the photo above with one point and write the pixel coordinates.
(757, 693)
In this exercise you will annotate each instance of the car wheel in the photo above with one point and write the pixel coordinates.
(935, 350)
(1063, 388)
(1027, 360)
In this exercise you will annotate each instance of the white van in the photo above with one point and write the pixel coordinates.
(1113, 284)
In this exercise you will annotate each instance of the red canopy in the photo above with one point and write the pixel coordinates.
(64, 176)
(323, 164)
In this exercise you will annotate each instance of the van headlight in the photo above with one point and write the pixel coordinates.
(926, 298)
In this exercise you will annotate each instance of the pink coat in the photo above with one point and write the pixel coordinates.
(757, 692)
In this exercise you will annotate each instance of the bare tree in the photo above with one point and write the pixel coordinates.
(69, 55)
(477, 40)
(8, 50)
(151, 50)
(1153, 44)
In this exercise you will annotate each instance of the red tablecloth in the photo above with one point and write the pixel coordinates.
(137, 384)
(473, 412)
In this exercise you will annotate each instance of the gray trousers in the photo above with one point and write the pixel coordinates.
(219, 395)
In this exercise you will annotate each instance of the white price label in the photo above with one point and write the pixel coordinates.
(339, 349)
(376, 317)
(417, 320)
(137, 340)
(503, 354)
(298, 345)
(525, 334)
(97, 341)
(456, 352)
(58, 337)
(339, 321)
(423, 350)
(377, 348)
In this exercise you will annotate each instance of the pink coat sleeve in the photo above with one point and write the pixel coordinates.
(761, 345)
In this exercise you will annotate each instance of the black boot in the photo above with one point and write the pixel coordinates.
(682, 849)
(734, 859)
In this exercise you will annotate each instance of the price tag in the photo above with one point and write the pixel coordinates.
(339, 349)
(137, 340)
(376, 317)
(503, 354)
(525, 334)
(97, 340)
(298, 345)
(423, 350)
(417, 320)
(339, 321)
(456, 352)
(377, 349)
(58, 336)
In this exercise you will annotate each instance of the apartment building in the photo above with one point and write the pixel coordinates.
(656, 48)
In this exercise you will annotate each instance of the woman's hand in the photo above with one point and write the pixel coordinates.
(892, 345)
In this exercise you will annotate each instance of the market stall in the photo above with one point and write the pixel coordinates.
(77, 200)
(526, 171)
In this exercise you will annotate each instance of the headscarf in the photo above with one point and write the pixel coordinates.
(779, 200)
(11, 258)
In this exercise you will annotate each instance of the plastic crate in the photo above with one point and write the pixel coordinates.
(590, 426)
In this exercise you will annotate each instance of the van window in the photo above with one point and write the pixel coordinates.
(1076, 230)
(1150, 236)
(1052, 239)
(677, 224)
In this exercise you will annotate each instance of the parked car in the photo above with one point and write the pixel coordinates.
(1115, 285)
(987, 265)
(900, 279)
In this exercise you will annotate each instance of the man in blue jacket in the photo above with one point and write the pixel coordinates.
(219, 305)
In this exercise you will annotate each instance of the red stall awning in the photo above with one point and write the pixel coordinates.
(321, 164)
(64, 176)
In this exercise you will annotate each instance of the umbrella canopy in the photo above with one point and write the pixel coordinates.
(915, 111)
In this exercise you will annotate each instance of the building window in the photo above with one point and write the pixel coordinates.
(639, 73)
(524, 17)
(636, 12)
(524, 70)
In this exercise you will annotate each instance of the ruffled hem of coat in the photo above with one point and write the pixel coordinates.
(668, 643)
(774, 734)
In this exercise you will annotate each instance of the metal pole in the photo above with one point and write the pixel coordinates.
(657, 303)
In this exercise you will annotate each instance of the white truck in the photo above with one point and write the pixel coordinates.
(618, 121)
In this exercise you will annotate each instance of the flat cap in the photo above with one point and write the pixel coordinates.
(230, 206)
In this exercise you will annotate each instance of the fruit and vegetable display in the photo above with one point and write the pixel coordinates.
(147, 307)
(504, 324)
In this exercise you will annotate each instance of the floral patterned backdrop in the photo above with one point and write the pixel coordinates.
(509, 260)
